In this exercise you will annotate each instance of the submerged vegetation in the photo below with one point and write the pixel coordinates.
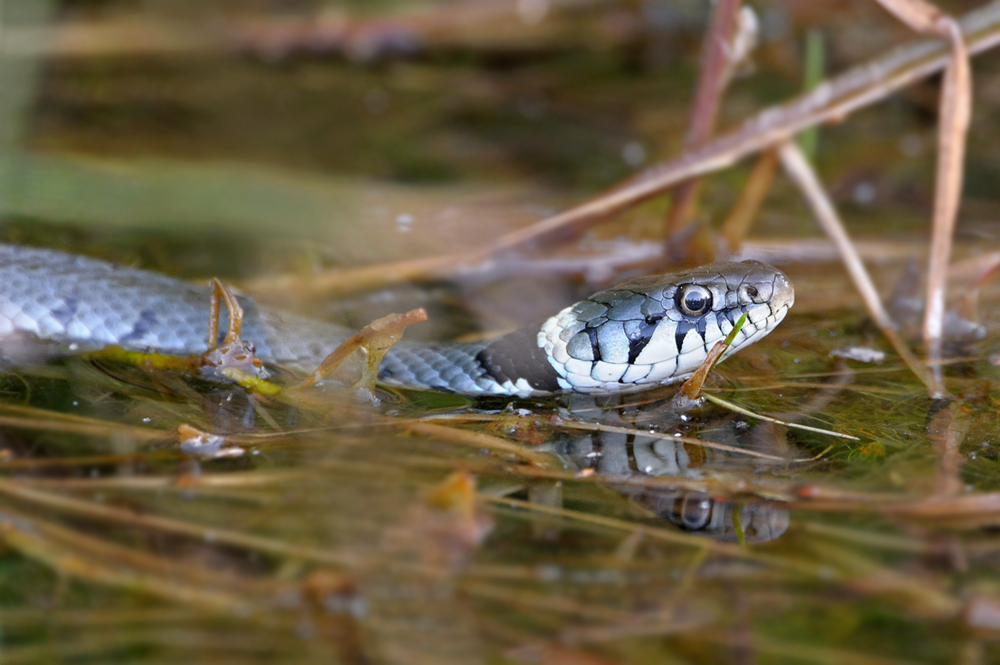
(832, 497)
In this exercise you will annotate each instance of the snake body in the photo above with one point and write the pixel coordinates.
(650, 331)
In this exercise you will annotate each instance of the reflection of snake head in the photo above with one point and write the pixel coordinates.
(659, 329)
(693, 511)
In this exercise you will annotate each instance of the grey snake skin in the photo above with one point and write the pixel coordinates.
(647, 332)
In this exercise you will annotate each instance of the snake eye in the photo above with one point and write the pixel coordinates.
(693, 300)
(692, 512)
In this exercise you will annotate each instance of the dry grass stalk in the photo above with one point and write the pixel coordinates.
(373, 341)
(96, 428)
(955, 111)
(835, 99)
(869, 576)
(785, 564)
(948, 427)
(784, 423)
(480, 441)
(72, 553)
(736, 226)
(712, 82)
(736, 450)
(803, 175)
(600, 427)
(222, 294)
(115, 515)
(956, 103)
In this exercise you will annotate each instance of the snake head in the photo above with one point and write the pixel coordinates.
(658, 329)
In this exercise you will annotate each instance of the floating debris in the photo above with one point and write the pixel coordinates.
(193, 441)
(861, 354)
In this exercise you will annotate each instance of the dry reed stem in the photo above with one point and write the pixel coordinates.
(981, 506)
(784, 423)
(865, 538)
(95, 429)
(955, 112)
(525, 601)
(736, 226)
(222, 294)
(255, 479)
(599, 427)
(480, 441)
(126, 517)
(91, 461)
(834, 99)
(784, 564)
(861, 573)
(919, 15)
(956, 103)
(948, 429)
(802, 174)
(374, 340)
(976, 269)
(691, 388)
(736, 450)
(40, 541)
(760, 650)
(713, 79)
(962, 511)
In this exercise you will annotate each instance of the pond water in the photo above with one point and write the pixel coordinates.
(325, 526)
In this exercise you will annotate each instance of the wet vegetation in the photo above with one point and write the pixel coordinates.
(348, 160)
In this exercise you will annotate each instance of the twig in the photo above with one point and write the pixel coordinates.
(712, 81)
(96, 428)
(222, 294)
(737, 223)
(859, 87)
(956, 105)
(691, 388)
(948, 429)
(72, 553)
(787, 565)
(480, 441)
(801, 172)
(747, 412)
(599, 427)
(122, 516)
(374, 340)
(835, 99)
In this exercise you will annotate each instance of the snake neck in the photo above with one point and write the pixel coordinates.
(518, 362)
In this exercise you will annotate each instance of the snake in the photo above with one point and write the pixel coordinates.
(622, 458)
(647, 332)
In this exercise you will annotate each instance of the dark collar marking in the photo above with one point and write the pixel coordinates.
(516, 356)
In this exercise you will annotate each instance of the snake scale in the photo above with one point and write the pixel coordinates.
(646, 332)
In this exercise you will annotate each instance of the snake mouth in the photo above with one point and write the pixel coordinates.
(783, 296)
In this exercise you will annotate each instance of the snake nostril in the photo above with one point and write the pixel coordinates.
(749, 294)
